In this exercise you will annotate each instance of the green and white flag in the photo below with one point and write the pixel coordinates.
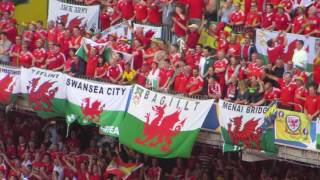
(96, 103)
(45, 91)
(162, 125)
(245, 126)
(9, 84)
(88, 42)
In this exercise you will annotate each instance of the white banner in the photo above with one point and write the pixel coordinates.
(121, 30)
(310, 43)
(157, 30)
(74, 15)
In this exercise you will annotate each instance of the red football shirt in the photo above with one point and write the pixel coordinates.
(154, 14)
(282, 21)
(272, 95)
(180, 83)
(140, 11)
(59, 60)
(195, 9)
(40, 54)
(126, 8)
(312, 104)
(165, 75)
(275, 53)
(287, 92)
(236, 17)
(266, 20)
(25, 59)
(198, 83)
(298, 23)
(177, 29)
(303, 93)
(114, 71)
(91, 65)
(253, 18)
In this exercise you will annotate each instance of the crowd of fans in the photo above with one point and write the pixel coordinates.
(232, 71)
(34, 149)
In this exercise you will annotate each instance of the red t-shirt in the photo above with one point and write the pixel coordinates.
(287, 92)
(40, 54)
(177, 29)
(140, 11)
(154, 14)
(316, 73)
(282, 21)
(25, 59)
(253, 18)
(126, 8)
(222, 63)
(180, 83)
(102, 70)
(11, 32)
(236, 17)
(15, 49)
(141, 78)
(314, 24)
(195, 9)
(303, 93)
(104, 20)
(234, 49)
(7, 6)
(198, 83)
(312, 104)
(266, 20)
(114, 71)
(192, 39)
(275, 53)
(60, 59)
(91, 65)
(272, 95)
(223, 45)
(52, 35)
(214, 88)
(165, 75)
(298, 23)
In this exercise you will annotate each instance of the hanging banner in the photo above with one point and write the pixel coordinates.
(120, 30)
(9, 84)
(162, 125)
(310, 43)
(246, 127)
(96, 103)
(45, 91)
(157, 30)
(72, 15)
(294, 129)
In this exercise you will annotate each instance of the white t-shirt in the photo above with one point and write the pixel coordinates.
(300, 57)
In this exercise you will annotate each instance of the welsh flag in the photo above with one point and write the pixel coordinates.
(45, 91)
(310, 44)
(248, 127)
(96, 103)
(9, 84)
(90, 43)
(121, 169)
(162, 125)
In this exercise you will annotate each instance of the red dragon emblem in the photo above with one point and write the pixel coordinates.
(6, 88)
(92, 111)
(40, 98)
(162, 128)
(75, 22)
(249, 133)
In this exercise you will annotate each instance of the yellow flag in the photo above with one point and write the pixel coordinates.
(207, 40)
(292, 126)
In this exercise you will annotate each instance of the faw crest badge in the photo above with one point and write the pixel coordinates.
(293, 123)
